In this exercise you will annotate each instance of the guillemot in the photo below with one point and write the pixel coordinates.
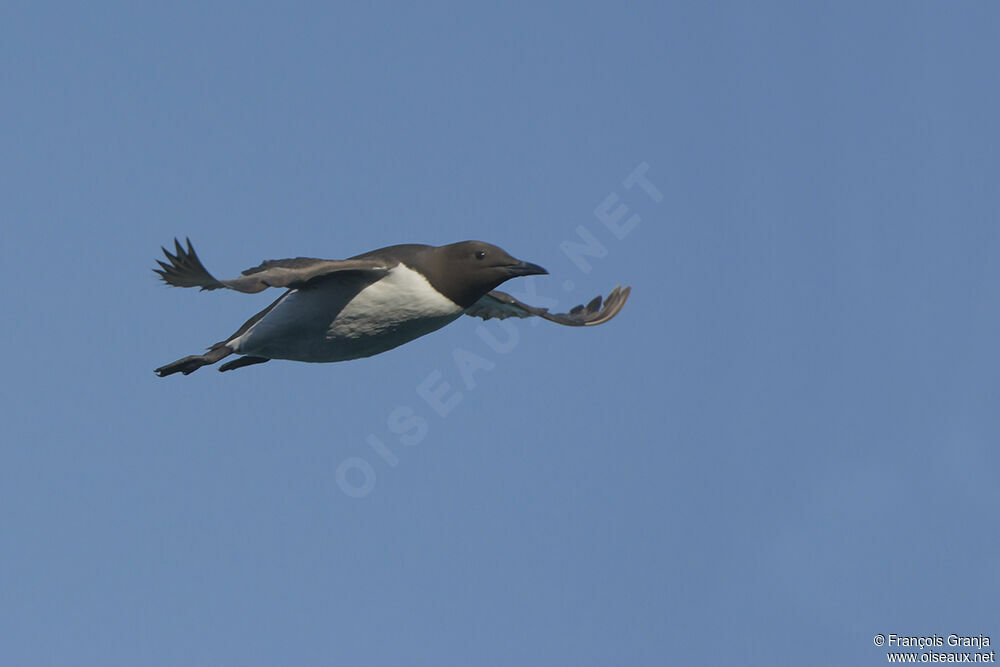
(336, 310)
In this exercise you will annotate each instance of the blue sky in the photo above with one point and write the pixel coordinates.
(785, 444)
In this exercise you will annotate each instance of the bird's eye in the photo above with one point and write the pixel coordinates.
(480, 254)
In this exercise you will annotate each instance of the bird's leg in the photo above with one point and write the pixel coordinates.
(241, 362)
(189, 365)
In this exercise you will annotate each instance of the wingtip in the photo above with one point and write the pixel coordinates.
(184, 269)
(613, 305)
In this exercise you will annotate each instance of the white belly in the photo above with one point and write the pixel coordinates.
(349, 317)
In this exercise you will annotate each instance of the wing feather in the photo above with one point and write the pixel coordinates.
(186, 270)
(501, 305)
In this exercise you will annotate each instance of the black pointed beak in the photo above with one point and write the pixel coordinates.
(525, 269)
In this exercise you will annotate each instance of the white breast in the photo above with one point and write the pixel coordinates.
(338, 321)
(402, 296)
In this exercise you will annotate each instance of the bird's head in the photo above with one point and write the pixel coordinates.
(467, 270)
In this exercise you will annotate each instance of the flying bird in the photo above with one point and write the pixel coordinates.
(340, 309)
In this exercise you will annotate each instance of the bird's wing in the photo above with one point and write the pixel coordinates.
(186, 270)
(501, 305)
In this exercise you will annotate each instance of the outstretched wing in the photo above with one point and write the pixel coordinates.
(186, 270)
(501, 305)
